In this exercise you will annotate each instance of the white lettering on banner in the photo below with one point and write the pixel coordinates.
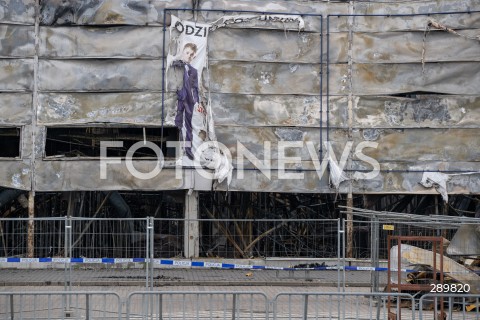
(182, 263)
(242, 266)
(212, 265)
(122, 260)
(275, 268)
(92, 260)
(61, 260)
(3, 259)
(29, 260)
(366, 268)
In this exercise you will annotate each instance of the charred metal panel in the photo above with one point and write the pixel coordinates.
(386, 182)
(254, 180)
(421, 111)
(338, 52)
(265, 86)
(407, 182)
(409, 7)
(15, 174)
(449, 78)
(267, 110)
(106, 12)
(387, 21)
(100, 75)
(253, 140)
(17, 41)
(40, 138)
(264, 45)
(416, 145)
(15, 108)
(76, 108)
(16, 75)
(17, 11)
(420, 166)
(264, 78)
(466, 241)
(404, 47)
(90, 42)
(338, 80)
(74, 175)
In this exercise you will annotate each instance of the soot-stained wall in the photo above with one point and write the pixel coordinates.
(357, 72)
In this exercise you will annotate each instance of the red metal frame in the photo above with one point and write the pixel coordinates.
(436, 241)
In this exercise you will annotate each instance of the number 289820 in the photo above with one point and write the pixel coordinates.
(450, 288)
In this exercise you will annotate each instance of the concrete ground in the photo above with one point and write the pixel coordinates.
(89, 276)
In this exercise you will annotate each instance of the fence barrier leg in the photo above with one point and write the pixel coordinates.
(87, 307)
(160, 307)
(12, 312)
(305, 308)
(234, 306)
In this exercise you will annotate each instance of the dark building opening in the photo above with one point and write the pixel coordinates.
(86, 141)
(10, 142)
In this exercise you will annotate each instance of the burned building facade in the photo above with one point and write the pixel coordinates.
(367, 103)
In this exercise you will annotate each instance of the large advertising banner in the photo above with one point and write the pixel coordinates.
(188, 56)
(194, 119)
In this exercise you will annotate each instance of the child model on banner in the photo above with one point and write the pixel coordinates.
(190, 117)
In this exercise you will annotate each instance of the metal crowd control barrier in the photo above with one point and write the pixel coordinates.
(340, 306)
(237, 306)
(449, 306)
(197, 305)
(60, 305)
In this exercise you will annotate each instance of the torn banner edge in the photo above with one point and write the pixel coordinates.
(438, 180)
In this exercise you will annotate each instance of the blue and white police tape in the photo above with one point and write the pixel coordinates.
(187, 263)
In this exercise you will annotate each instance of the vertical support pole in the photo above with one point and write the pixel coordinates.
(68, 237)
(375, 260)
(70, 249)
(349, 225)
(68, 263)
(147, 253)
(375, 252)
(152, 256)
(31, 225)
(389, 272)
(440, 244)
(339, 253)
(445, 213)
(191, 228)
(65, 254)
(344, 262)
(350, 62)
(33, 125)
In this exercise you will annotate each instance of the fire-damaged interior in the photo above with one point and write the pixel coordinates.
(232, 224)
(10, 142)
(83, 142)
